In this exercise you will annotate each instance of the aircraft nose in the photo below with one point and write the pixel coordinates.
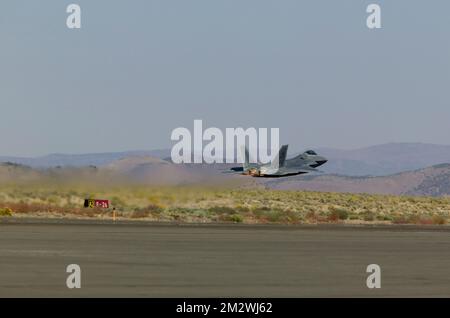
(320, 161)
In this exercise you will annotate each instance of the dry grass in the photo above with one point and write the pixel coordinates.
(194, 204)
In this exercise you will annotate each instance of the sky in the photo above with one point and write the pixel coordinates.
(136, 70)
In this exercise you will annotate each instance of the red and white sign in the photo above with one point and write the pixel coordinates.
(94, 203)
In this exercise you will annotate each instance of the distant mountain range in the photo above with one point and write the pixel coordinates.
(430, 181)
(395, 168)
(380, 160)
(384, 159)
(81, 160)
(141, 169)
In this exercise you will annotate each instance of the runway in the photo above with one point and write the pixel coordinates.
(150, 260)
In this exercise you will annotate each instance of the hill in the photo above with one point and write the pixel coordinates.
(379, 160)
(431, 181)
(148, 170)
(80, 160)
(384, 159)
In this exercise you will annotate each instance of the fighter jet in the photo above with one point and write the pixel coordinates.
(280, 166)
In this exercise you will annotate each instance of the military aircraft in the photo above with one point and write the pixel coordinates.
(280, 166)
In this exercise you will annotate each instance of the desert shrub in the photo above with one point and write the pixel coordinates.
(333, 217)
(155, 208)
(147, 211)
(242, 208)
(439, 219)
(52, 199)
(22, 207)
(276, 215)
(400, 220)
(311, 215)
(338, 214)
(179, 210)
(221, 210)
(139, 214)
(200, 213)
(316, 217)
(420, 219)
(293, 217)
(180, 213)
(90, 212)
(368, 216)
(5, 212)
(260, 211)
(236, 218)
(273, 216)
(117, 202)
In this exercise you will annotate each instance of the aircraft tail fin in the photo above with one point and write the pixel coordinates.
(248, 162)
(280, 158)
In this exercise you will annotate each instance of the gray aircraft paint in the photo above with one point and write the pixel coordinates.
(280, 166)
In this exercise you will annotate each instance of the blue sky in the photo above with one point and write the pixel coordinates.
(138, 69)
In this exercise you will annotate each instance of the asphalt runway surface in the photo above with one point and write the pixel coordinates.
(148, 260)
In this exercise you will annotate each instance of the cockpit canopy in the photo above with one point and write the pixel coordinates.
(311, 152)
